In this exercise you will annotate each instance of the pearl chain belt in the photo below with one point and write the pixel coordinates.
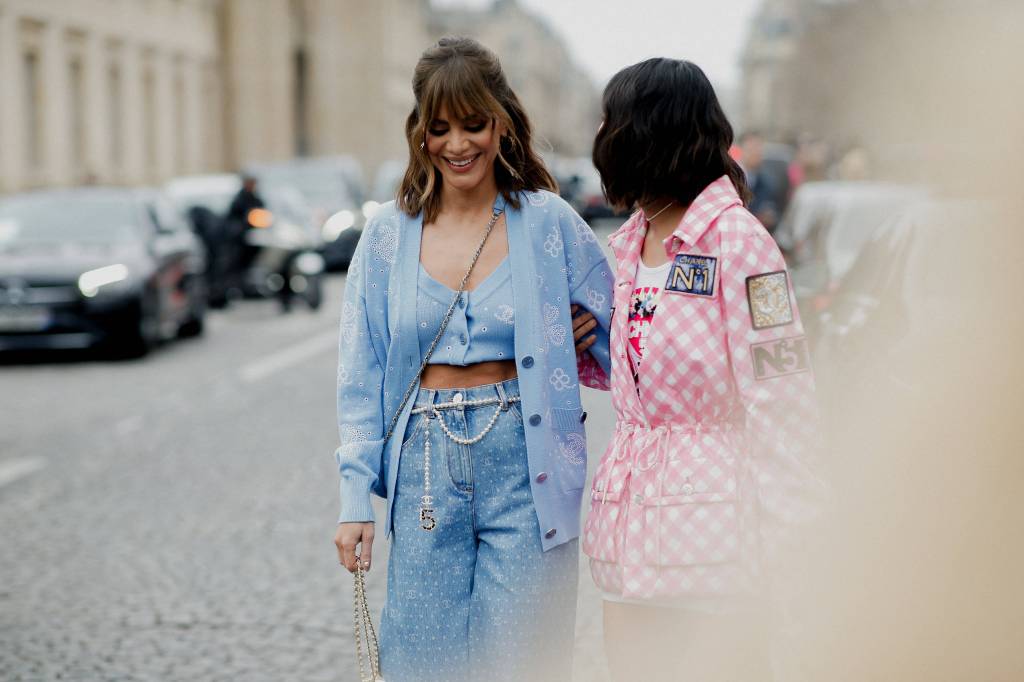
(427, 520)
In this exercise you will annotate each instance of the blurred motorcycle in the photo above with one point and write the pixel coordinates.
(271, 252)
(283, 261)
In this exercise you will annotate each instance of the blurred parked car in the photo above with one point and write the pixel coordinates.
(287, 259)
(824, 229)
(97, 266)
(331, 186)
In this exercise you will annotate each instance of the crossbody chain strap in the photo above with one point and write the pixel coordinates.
(444, 323)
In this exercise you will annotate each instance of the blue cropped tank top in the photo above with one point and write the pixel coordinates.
(482, 325)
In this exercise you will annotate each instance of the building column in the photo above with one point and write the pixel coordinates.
(192, 77)
(213, 124)
(166, 130)
(12, 107)
(98, 132)
(258, 56)
(329, 77)
(133, 171)
(56, 135)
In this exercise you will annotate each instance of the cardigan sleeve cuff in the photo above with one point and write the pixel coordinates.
(355, 501)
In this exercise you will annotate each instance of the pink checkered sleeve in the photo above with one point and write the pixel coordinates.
(773, 377)
(590, 283)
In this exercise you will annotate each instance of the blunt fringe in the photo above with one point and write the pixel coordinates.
(664, 136)
(464, 77)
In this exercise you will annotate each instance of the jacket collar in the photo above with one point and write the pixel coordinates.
(705, 209)
(625, 239)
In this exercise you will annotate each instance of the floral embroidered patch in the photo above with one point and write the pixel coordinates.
(768, 295)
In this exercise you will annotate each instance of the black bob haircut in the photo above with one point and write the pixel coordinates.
(664, 136)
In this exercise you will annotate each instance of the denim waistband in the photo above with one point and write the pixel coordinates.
(500, 391)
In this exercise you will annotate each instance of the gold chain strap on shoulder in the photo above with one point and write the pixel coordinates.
(364, 630)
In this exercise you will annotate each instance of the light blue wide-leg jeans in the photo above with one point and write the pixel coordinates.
(476, 598)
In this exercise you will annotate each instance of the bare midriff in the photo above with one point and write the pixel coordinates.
(478, 374)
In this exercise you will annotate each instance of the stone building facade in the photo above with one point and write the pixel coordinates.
(562, 102)
(771, 47)
(314, 77)
(107, 90)
(139, 91)
(920, 86)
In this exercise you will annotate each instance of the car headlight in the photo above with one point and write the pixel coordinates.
(369, 208)
(309, 264)
(291, 235)
(338, 223)
(89, 283)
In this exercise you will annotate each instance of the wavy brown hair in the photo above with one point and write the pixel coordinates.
(464, 77)
(664, 135)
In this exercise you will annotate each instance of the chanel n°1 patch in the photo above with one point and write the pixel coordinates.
(693, 275)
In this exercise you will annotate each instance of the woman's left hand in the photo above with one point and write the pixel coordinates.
(582, 324)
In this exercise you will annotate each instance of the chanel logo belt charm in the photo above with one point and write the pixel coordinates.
(427, 520)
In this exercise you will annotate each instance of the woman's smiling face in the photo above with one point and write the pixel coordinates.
(465, 149)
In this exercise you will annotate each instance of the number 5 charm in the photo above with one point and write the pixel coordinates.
(427, 521)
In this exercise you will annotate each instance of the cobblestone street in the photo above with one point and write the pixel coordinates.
(173, 517)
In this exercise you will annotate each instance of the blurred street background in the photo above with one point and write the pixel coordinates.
(182, 183)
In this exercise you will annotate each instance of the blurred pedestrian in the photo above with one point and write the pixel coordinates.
(237, 224)
(246, 199)
(209, 227)
(460, 297)
(808, 163)
(712, 389)
(767, 192)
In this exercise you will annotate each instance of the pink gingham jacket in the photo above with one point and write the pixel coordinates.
(710, 459)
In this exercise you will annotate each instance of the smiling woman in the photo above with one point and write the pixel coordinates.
(466, 109)
(456, 146)
(455, 340)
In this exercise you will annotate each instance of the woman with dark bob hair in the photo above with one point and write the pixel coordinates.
(458, 387)
(712, 390)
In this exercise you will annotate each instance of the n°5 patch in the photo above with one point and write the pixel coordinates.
(780, 357)
(768, 296)
(693, 275)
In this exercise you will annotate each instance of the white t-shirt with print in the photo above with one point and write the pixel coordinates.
(642, 304)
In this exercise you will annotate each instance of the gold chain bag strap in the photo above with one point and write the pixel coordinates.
(363, 624)
(364, 629)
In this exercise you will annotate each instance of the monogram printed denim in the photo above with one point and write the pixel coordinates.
(477, 597)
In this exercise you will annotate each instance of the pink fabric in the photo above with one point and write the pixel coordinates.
(591, 373)
(709, 464)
